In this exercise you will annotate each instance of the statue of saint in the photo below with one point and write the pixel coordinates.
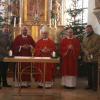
(57, 12)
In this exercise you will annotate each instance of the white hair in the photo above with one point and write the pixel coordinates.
(43, 29)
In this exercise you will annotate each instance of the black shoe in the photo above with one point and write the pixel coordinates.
(24, 87)
(6, 85)
(48, 87)
(65, 87)
(28, 86)
(40, 86)
(88, 87)
(69, 87)
(94, 89)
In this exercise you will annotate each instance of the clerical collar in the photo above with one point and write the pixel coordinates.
(23, 36)
(69, 37)
(45, 39)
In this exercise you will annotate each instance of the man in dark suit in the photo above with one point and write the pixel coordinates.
(5, 44)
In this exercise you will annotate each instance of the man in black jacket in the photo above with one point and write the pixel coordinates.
(5, 44)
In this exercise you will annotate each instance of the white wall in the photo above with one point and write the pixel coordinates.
(92, 18)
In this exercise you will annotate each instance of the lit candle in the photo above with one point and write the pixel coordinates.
(8, 12)
(50, 22)
(20, 22)
(14, 34)
(51, 5)
(55, 24)
(14, 21)
(10, 53)
(8, 2)
(20, 13)
(53, 54)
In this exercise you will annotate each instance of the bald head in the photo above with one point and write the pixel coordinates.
(24, 30)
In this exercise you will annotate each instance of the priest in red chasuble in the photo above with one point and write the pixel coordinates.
(69, 50)
(44, 48)
(23, 46)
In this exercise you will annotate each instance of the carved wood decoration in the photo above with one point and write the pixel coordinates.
(97, 10)
(97, 4)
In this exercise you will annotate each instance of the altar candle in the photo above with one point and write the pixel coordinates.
(51, 5)
(50, 22)
(53, 54)
(14, 34)
(55, 24)
(10, 53)
(8, 2)
(20, 13)
(14, 21)
(8, 12)
(20, 22)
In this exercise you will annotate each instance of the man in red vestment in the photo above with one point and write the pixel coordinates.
(69, 50)
(44, 48)
(23, 46)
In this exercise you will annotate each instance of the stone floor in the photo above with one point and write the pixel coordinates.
(56, 93)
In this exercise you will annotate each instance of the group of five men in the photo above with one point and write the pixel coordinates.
(69, 50)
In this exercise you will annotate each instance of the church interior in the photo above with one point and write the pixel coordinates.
(57, 15)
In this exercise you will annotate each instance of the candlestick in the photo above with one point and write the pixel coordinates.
(20, 13)
(51, 5)
(10, 53)
(14, 21)
(53, 54)
(50, 22)
(55, 24)
(8, 2)
(20, 22)
(14, 33)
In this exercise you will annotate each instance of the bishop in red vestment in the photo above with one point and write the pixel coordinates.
(44, 48)
(23, 46)
(69, 50)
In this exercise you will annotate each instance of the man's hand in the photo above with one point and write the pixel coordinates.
(45, 49)
(70, 47)
(25, 46)
(86, 52)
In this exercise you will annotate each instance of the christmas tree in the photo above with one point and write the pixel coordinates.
(74, 21)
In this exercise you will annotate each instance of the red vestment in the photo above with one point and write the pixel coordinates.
(49, 68)
(69, 57)
(19, 51)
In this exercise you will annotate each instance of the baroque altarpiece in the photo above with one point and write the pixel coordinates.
(34, 14)
(38, 12)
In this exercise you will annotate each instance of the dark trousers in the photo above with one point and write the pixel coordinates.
(3, 72)
(92, 73)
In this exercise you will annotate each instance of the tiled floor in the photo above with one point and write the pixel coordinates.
(56, 93)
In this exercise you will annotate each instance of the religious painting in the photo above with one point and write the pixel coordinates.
(35, 10)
